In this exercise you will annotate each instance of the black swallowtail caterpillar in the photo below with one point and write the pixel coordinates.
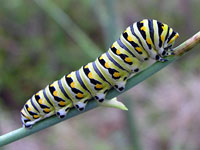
(139, 42)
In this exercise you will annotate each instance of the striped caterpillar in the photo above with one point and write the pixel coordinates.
(139, 42)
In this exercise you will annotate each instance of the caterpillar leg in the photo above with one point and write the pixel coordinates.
(61, 113)
(120, 86)
(100, 97)
(80, 106)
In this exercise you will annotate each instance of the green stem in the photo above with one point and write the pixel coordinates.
(134, 139)
(22, 132)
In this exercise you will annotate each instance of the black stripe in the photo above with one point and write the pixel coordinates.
(114, 62)
(171, 36)
(62, 89)
(142, 32)
(46, 97)
(124, 47)
(34, 105)
(80, 80)
(167, 33)
(160, 30)
(133, 32)
(151, 30)
(98, 72)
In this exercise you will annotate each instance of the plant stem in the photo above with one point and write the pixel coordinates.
(180, 50)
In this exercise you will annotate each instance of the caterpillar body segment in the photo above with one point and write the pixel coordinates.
(143, 40)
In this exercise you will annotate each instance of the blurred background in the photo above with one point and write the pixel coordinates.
(41, 40)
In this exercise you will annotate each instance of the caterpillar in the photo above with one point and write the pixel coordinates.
(143, 40)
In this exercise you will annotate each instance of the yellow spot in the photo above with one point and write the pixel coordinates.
(129, 38)
(138, 49)
(29, 109)
(127, 59)
(177, 35)
(40, 101)
(162, 38)
(37, 94)
(86, 66)
(148, 40)
(101, 57)
(142, 21)
(35, 116)
(55, 93)
(79, 95)
(116, 74)
(125, 31)
(106, 65)
(72, 85)
(51, 85)
(47, 110)
(174, 38)
(69, 75)
(170, 41)
(62, 103)
(112, 46)
(118, 52)
(99, 86)
(90, 75)
(143, 28)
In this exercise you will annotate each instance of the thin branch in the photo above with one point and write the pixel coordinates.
(180, 50)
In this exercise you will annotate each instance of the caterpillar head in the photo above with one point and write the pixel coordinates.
(169, 42)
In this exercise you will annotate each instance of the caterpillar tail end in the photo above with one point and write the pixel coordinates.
(114, 103)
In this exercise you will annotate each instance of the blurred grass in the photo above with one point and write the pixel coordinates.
(70, 28)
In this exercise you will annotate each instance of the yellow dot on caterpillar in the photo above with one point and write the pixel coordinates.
(47, 110)
(90, 75)
(112, 46)
(106, 65)
(148, 40)
(118, 52)
(55, 93)
(40, 101)
(51, 85)
(72, 85)
(99, 86)
(127, 59)
(69, 75)
(37, 94)
(62, 103)
(129, 38)
(86, 66)
(138, 49)
(116, 74)
(29, 109)
(143, 28)
(35, 116)
(79, 95)
(177, 35)
(101, 57)
(162, 38)
(142, 21)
